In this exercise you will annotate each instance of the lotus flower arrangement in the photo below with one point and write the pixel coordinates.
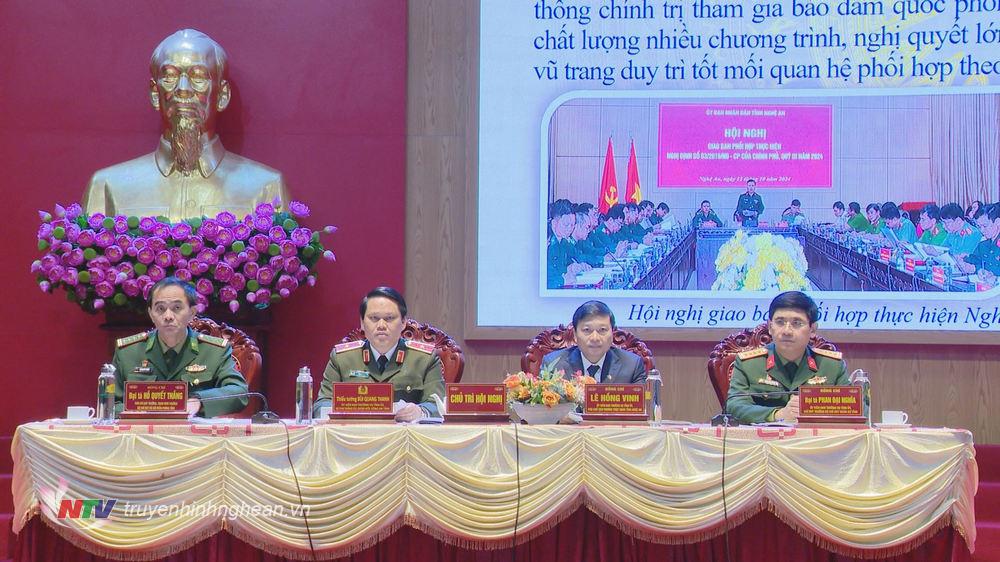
(113, 261)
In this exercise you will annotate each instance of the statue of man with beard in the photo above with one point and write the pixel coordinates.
(190, 174)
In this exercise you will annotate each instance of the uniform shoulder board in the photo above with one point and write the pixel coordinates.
(347, 346)
(125, 342)
(752, 353)
(213, 340)
(420, 346)
(827, 353)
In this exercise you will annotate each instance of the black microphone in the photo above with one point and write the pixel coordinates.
(264, 415)
(725, 418)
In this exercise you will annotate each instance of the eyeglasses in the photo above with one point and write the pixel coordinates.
(796, 324)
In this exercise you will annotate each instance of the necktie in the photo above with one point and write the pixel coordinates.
(382, 361)
(171, 359)
(595, 372)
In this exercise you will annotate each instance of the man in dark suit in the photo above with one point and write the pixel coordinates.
(593, 355)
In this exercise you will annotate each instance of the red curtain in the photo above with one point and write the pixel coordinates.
(582, 537)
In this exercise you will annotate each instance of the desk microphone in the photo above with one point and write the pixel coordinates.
(264, 415)
(726, 419)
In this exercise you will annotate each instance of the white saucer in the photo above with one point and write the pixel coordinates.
(892, 425)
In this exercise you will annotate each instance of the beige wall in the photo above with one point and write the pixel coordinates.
(951, 386)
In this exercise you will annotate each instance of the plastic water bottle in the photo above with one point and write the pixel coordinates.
(860, 378)
(654, 382)
(106, 394)
(303, 396)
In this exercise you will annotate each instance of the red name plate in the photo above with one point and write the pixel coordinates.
(615, 399)
(885, 254)
(831, 401)
(911, 265)
(476, 398)
(161, 396)
(937, 274)
(363, 398)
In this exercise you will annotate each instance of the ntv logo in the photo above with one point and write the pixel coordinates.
(85, 509)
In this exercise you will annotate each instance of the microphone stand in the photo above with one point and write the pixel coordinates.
(263, 416)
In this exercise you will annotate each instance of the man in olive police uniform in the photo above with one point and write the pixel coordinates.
(413, 368)
(175, 352)
(783, 365)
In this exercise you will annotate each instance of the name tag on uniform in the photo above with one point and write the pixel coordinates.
(359, 374)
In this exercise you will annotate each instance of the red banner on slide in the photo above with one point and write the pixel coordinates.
(709, 145)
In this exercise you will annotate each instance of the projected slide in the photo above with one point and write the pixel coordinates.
(684, 163)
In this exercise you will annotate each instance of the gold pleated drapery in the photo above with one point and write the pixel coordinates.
(860, 492)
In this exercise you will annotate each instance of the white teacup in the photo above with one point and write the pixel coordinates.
(894, 417)
(79, 412)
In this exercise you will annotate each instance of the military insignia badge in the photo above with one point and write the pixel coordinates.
(768, 381)
(816, 380)
(143, 369)
(812, 364)
(193, 368)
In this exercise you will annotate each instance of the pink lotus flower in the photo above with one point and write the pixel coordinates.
(98, 304)
(252, 254)
(238, 282)
(241, 231)
(260, 242)
(161, 230)
(44, 286)
(265, 275)
(56, 273)
(96, 275)
(209, 229)
(298, 209)
(155, 272)
(276, 262)
(204, 286)
(292, 264)
(86, 238)
(183, 274)
(104, 289)
(44, 231)
(131, 288)
(223, 272)
(163, 259)
(227, 293)
(232, 259)
(73, 211)
(197, 243)
(263, 297)
(250, 270)
(225, 237)
(226, 219)
(114, 253)
(262, 223)
(288, 248)
(104, 239)
(157, 243)
(71, 277)
(60, 211)
(265, 210)
(44, 216)
(95, 221)
(301, 236)
(276, 234)
(180, 231)
(123, 240)
(121, 225)
(146, 255)
(234, 306)
(328, 255)
(208, 256)
(147, 224)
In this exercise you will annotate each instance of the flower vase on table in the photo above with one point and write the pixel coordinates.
(545, 398)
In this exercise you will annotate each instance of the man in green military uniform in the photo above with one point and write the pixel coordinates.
(783, 365)
(706, 217)
(559, 268)
(901, 227)
(750, 205)
(855, 219)
(175, 352)
(985, 260)
(962, 237)
(413, 368)
(932, 231)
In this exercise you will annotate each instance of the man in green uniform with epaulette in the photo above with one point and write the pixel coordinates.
(985, 260)
(901, 227)
(706, 217)
(962, 237)
(559, 252)
(783, 365)
(175, 352)
(933, 232)
(412, 367)
(855, 220)
(750, 205)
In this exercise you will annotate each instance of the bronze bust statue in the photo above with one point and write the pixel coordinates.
(190, 174)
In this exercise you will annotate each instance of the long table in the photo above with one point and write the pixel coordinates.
(860, 493)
